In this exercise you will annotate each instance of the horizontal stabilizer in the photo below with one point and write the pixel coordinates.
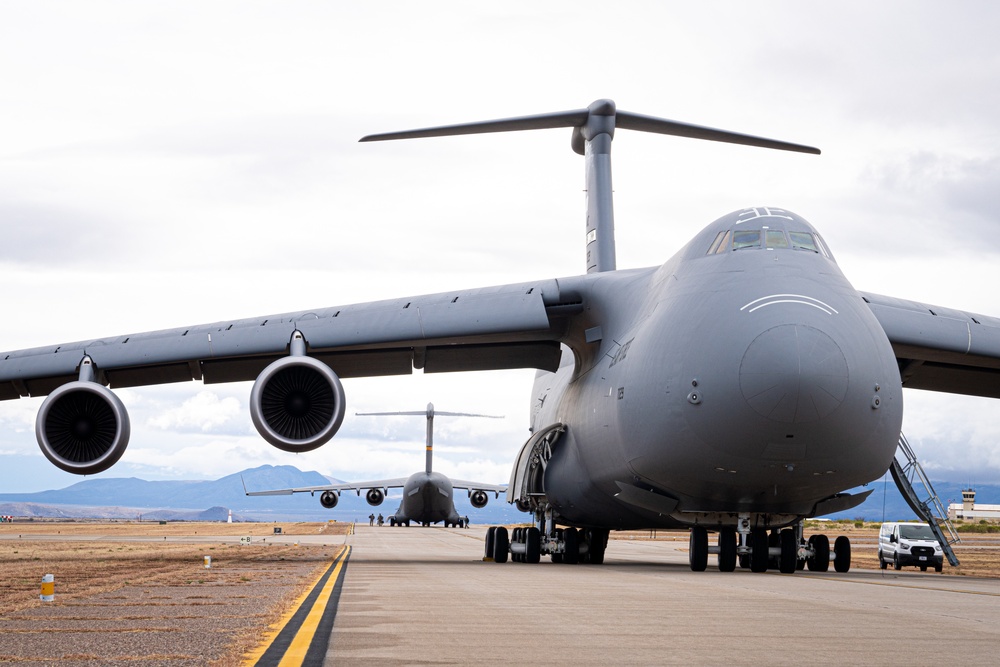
(579, 119)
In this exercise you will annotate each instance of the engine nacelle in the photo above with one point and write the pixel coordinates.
(82, 427)
(478, 499)
(374, 497)
(328, 499)
(297, 403)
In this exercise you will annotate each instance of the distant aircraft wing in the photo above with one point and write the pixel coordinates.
(476, 486)
(510, 326)
(396, 482)
(941, 349)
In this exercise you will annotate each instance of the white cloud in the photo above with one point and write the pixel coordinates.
(205, 412)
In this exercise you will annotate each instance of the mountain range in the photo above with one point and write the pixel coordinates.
(211, 500)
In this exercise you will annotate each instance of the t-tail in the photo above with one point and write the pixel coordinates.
(593, 131)
(429, 413)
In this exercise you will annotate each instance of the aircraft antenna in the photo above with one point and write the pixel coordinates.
(429, 413)
(593, 131)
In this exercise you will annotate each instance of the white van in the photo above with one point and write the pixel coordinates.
(909, 544)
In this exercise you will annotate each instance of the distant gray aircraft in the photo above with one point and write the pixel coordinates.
(739, 388)
(428, 496)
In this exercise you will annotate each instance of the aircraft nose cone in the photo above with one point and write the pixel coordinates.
(794, 373)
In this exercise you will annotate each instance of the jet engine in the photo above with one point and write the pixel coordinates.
(478, 499)
(328, 499)
(82, 427)
(297, 403)
(374, 496)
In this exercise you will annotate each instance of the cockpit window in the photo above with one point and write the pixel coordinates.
(771, 239)
(803, 241)
(776, 238)
(717, 242)
(746, 238)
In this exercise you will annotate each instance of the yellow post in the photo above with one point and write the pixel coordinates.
(48, 588)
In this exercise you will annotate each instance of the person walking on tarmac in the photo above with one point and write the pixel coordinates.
(371, 519)
(380, 520)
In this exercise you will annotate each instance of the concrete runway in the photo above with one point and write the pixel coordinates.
(424, 596)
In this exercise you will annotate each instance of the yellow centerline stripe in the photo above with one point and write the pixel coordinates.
(251, 659)
(296, 652)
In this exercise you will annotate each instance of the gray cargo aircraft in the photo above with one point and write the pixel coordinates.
(739, 388)
(428, 496)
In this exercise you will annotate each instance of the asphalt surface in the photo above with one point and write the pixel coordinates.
(415, 596)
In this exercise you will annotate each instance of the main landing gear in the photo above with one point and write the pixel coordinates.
(758, 550)
(562, 545)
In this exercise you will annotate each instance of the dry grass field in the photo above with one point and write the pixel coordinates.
(119, 601)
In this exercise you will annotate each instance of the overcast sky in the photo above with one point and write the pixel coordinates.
(167, 164)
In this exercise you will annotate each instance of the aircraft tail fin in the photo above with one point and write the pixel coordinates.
(593, 130)
(429, 413)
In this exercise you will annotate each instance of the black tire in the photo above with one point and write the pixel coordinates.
(758, 550)
(532, 545)
(842, 554)
(727, 550)
(501, 545)
(789, 551)
(923, 568)
(698, 549)
(571, 538)
(744, 561)
(490, 536)
(820, 560)
(895, 562)
(515, 538)
(881, 561)
(597, 544)
(938, 568)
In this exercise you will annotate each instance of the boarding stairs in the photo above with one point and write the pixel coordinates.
(907, 475)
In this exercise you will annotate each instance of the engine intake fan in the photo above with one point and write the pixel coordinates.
(478, 499)
(82, 427)
(328, 499)
(375, 497)
(297, 403)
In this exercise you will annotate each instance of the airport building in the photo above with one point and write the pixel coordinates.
(968, 510)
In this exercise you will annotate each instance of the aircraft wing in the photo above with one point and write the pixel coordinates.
(510, 326)
(476, 486)
(941, 349)
(396, 482)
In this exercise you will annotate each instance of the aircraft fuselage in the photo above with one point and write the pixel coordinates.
(428, 497)
(748, 379)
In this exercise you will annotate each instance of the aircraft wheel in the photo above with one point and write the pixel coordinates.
(820, 560)
(758, 550)
(532, 545)
(501, 545)
(842, 554)
(727, 550)
(571, 538)
(698, 549)
(598, 544)
(789, 549)
(490, 537)
(744, 561)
